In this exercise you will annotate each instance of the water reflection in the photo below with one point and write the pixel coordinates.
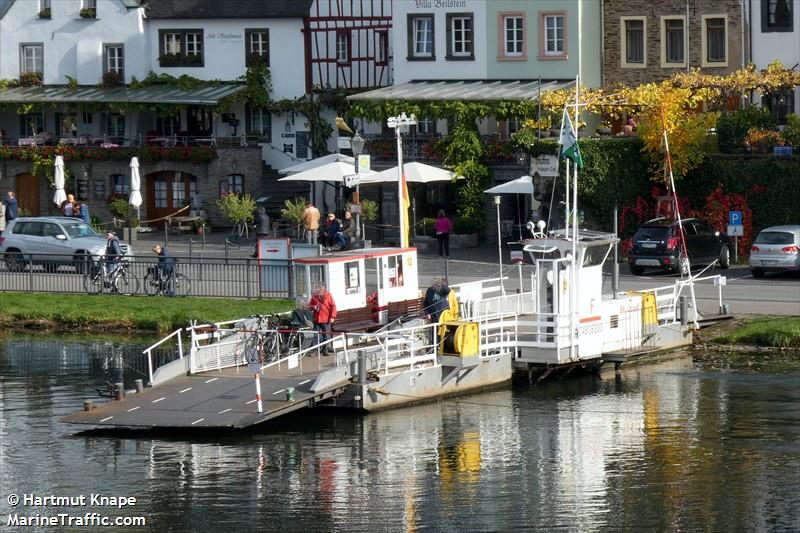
(667, 446)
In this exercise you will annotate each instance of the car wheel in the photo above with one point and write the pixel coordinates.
(14, 261)
(637, 270)
(683, 266)
(757, 273)
(724, 257)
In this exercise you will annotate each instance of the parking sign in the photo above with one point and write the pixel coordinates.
(735, 218)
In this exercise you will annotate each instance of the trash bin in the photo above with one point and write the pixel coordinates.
(289, 394)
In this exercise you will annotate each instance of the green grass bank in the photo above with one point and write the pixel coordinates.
(120, 314)
(774, 332)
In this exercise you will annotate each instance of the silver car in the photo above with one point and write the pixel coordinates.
(775, 249)
(51, 242)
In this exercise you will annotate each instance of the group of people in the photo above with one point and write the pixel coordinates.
(9, 210)
(72, 208)
(333, 233)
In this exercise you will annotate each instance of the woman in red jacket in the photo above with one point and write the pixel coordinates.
(324, 309)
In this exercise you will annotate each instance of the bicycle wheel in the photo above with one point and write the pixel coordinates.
(126, 283)
(151, 286)
(182, 285)
(93, 282)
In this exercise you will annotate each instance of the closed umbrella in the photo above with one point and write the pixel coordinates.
(136, 197)
(60, 196)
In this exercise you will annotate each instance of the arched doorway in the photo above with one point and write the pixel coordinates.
(28, 193)
(167, 192)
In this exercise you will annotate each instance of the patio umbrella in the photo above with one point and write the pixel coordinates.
(60, 196)
(521, 185)
(415, 173)
(335, 172)
(318, 162)
(135, 198)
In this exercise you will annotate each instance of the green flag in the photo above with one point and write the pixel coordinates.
(569, 141)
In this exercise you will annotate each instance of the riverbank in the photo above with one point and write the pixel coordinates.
(757, 332)
(122, 314)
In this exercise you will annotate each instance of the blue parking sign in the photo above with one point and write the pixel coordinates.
(735, 218)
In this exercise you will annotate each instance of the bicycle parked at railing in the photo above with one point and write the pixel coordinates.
(272, 339)
(111, 277)
(171, 284)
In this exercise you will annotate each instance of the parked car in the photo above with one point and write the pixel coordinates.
(51, 242)
(775, 249)
(657, 244)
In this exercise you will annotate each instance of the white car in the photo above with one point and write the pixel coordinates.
(51, 242)
(775, 249)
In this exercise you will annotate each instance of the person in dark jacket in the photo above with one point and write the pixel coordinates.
(113, 251)
(330, 230)
(347, 236)
(262, 227)
(165, 268)
(436, 299)
(12, 207)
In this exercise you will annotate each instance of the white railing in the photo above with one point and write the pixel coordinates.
(668, 297)
(149, 351)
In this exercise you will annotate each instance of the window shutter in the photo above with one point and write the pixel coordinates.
(248, 120)
(449, 35)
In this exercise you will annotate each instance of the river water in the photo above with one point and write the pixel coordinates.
(671, 446)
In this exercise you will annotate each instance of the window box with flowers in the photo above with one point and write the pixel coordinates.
(256, 59)
(112, 79)
(88, 13)
(29, 79)
(44, 13)
(169, 60)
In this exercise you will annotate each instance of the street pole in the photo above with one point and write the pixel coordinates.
(499, 244)
(357, 145)
(397, 123)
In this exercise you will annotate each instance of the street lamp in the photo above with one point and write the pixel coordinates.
(357, 145)
(499, 242)
(399, 123)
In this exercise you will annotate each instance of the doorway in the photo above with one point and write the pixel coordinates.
(28, 193)
(199, 121)
(169, 191)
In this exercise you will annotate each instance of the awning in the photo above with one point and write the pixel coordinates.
(467, 90)
(205, 95)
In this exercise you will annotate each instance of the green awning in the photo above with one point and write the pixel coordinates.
(464, 90)
(207, 95)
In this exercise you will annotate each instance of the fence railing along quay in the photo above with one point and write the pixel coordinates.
(212, 276)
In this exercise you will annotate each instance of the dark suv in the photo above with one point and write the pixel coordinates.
(657, 244)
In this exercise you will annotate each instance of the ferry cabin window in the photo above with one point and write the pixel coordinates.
(595, 255)
(395, 265)
(351, 277)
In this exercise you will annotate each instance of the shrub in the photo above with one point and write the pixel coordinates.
(112, 79)
(119, 207)
(239, 209)
(791, 133)
(467, 225)
(88, 13)
(29, 79)
(762, 141)
(732, 128)
(294, 211)
(369, 210)
(426, 226)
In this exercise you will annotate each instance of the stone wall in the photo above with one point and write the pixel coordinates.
(93, 185)
(613, 72)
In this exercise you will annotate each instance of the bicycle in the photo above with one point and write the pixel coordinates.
(118, 280)
(271, 339)
(173, 284)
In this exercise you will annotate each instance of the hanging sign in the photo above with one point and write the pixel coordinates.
(363, 163)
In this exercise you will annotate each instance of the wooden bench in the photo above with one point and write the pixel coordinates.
(356, 320)
(179, 224)
(407, 309)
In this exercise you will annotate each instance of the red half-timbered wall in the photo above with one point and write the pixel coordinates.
(359, 27)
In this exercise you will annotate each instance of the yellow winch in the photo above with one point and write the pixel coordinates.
(459, 338)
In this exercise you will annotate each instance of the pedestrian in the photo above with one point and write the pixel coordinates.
(311, 223)
(443, 227)
(12, 206)
(330, 231)
(436, 299)
(67, 208)
(84, 213)
(347, 237)
(2, 217)
(262, 227)
(324, 314)
(113, 252)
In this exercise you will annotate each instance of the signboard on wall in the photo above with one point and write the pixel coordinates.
(301, 144)
(545, 165)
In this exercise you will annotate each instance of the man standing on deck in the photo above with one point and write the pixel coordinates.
(311, 223)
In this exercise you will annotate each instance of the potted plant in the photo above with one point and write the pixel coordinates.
(169, 60)
(120, 209)
(604, 128)
(44, 13)
(240, 210)
(293, 212)
(29, 79)
(112, 79)
(88, 13)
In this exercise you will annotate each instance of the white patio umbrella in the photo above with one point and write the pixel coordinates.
(521, 185)
(318, 162)
(335, 172)
(135, 198)
(60, 196)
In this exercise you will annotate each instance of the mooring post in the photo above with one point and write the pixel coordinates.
(119, 391)
(684, 311)
(139, 385)
(362, 367)
(615, 271)
(88, 405)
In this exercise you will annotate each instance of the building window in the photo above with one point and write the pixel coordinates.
(395, 270)
(352, 279)
(426, 126)
(633, 41)
(420, 37)
(235, 183)
(343, 47)
(776, 15)
(120, 185)
(381, 48)
(672, 42)
(168, 126)
(257, 43)
(32, 58)
(715, 53)
(460, 39)
(89, 4)
(113, 59)
(553, 35)
(115, 126)
(180, 48)
(88, 9)
(513, 32)
(513, 125)
(259, 123)
(31, 124)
